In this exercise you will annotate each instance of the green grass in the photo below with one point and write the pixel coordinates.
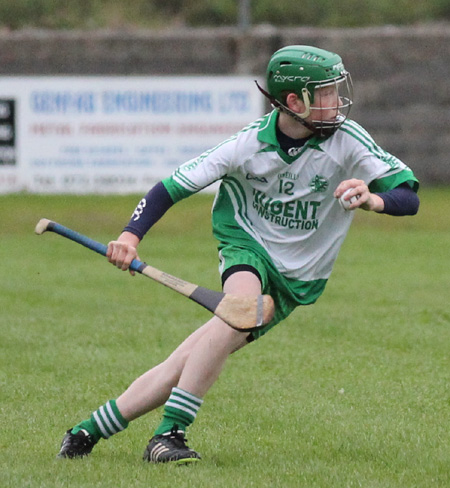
(350, 392)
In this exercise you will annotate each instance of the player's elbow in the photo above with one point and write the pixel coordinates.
(414, 205)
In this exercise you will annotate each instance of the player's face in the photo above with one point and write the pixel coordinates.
(327, 103)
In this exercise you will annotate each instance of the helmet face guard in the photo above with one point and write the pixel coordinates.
(319, 79)
(329, 112)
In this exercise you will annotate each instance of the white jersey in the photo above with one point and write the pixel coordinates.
(285, 202)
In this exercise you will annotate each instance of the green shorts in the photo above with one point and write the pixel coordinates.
(287, 294)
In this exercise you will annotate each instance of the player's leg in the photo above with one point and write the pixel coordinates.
(208, 346)
(146, 393)
(201, 369)
(153, 388)
(210, 352)
(204, 362)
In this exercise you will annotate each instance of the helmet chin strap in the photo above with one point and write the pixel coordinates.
(306, 101)
(298, 117)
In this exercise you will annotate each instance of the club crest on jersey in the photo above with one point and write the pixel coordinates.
(318, 184)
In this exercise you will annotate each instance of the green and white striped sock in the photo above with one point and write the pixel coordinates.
(180, 409)
(104, 422)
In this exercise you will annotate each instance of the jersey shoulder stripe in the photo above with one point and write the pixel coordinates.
(361, 135)
(190, 185)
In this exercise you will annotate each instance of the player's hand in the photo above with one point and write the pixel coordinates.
(366, 200)
(121, 253)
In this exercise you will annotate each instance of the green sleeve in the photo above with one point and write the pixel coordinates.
(393, 180)
(175, 190)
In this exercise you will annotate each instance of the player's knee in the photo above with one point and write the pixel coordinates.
(228, 337)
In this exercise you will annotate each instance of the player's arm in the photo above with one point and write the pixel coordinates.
(187, 180)
(148, 211)
(401, 200)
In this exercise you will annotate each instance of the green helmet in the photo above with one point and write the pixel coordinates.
(293, 68)
(303, 69)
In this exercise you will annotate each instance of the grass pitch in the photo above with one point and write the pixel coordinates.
(350, 392)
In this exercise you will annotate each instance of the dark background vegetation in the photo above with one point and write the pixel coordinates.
(94, 14)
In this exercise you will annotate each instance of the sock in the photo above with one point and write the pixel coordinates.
(104, 422)
(180, 410)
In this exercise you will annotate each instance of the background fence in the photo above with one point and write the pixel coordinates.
(401, 74)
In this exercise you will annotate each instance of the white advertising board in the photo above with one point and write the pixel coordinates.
(113, 134)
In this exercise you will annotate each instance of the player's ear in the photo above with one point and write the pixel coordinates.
(295, 103)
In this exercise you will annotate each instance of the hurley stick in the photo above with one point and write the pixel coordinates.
(245, 313)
